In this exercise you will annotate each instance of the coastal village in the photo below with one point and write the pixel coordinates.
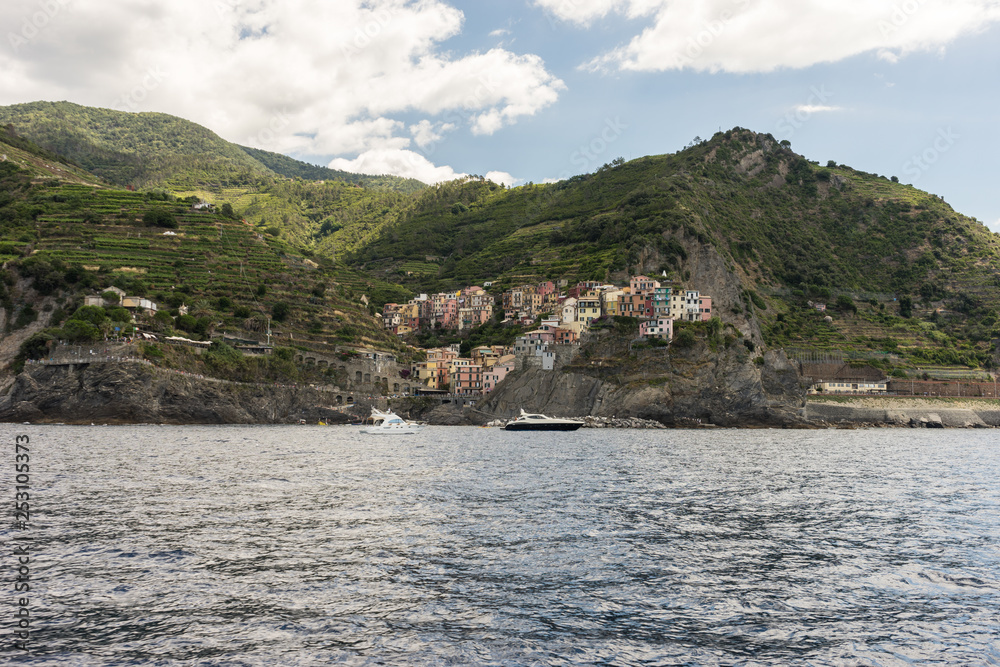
(563, 314)
(560, 314)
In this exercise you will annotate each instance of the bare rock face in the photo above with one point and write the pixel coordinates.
(729, 383)
(724, 388)
(134, 393)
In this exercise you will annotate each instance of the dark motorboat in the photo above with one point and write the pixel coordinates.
(536, 422)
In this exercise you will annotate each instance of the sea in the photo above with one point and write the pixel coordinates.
(315, 545)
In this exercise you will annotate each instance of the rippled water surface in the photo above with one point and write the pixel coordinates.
(316, 545)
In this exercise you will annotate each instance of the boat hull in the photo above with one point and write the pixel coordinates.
(390, 431)
(515, 426)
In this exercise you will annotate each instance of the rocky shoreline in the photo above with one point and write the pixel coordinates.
(600, 422)
(142, 394)
(904, 413)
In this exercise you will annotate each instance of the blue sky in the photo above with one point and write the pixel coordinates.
(534, 90)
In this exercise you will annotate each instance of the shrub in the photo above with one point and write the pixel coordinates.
(119, 314)
(159, 217)
(186, 323)
(684, 338)
(280, 311)
(36, 346)
(80, 331)
(93, 314)
(845, 303)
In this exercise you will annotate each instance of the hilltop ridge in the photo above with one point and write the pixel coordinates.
(150, 149)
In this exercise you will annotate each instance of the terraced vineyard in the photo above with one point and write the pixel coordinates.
(205, 258)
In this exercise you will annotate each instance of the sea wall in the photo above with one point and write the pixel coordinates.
(926, 414)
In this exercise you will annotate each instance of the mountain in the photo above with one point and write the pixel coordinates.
(772, 235)
(783, 219)
(900, 268)
(64, 236)
(316, 208)
(292, 168)
(156, 149)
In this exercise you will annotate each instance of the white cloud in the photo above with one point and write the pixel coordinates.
(501, 177)
(404, 163)
(409, 164)
(426, 133)
(585, 12)
(320, 78)
(815, 108)
(763, 35)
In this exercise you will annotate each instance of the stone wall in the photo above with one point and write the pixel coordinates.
(377, 376)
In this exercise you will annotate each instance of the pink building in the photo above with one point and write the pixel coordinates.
(662, 328)
(541, 336)
(566, 336)
(496, 375)
(468, 380)
(449, 314)
(705, 305)
(642, 285)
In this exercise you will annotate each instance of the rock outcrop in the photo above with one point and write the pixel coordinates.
(137, 393)
(694, 386)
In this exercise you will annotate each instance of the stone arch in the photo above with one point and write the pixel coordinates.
(323, 363)
(350, 400)
(298, 358)
(310, 361)
(395, 388)
(368, 378)
(358, 377)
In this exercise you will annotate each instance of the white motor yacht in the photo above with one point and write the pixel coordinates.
(389, 422)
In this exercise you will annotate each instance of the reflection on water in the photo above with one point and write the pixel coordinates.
(312, 545)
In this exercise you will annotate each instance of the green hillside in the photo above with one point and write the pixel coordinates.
(68, 240)
(140, 149)
(904, 277)
(794, 231)
(311, 207)
(292, 168)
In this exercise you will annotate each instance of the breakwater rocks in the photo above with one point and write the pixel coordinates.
(623, 422)
(600, 422)
(905, 413)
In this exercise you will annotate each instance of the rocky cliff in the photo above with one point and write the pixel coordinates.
(727, 381)
(675, 387)
(137, 393)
